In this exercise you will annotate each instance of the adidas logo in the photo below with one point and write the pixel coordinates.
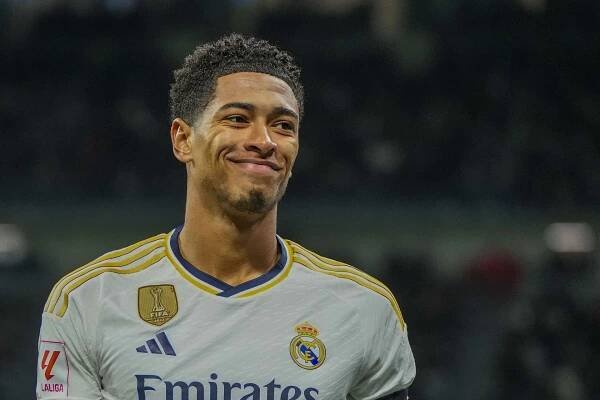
(154, 347)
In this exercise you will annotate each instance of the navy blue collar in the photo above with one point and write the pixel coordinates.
(226, 289)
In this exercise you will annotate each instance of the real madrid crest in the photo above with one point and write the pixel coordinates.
(306, 349)
(157, 304)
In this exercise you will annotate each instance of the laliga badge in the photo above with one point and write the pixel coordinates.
(53, 368)
(157, 304)
(306, 349)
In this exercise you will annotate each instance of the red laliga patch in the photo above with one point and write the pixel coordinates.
(53, 367)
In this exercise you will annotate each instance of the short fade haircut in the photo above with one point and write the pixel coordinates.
(196, 81)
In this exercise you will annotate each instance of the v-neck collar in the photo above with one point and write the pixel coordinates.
(217, 287)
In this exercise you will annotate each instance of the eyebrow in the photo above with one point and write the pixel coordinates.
(243, 106)
(283, 111)
(250, 107)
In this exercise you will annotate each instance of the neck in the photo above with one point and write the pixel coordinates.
(232, 247)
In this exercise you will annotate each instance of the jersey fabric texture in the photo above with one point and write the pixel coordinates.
(142, 323)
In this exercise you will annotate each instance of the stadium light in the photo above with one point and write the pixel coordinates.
(13, 245)
(570, 237)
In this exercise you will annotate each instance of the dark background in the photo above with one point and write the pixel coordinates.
(451, 148)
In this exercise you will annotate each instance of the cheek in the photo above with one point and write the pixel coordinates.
(290, 152)
(209, 150)
(222, 142)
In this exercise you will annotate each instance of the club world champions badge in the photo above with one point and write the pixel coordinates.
(157, 304)
(306, 349)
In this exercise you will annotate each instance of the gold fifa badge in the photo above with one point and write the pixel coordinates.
(306, 349)
(157, 304)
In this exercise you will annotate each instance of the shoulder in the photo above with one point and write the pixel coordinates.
(348, 282)
(125, 261)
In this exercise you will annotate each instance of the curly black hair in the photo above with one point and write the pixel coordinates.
(195, 81)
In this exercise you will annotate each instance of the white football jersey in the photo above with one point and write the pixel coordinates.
(142, 323)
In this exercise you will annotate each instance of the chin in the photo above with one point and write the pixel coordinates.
(247, 198)
(255, 202)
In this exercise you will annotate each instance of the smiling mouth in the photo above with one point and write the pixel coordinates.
(262, 167)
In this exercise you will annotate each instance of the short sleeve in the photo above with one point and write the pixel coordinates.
(389, 365)
(65, 369)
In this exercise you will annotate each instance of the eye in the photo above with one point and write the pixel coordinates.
(285, 125)
(236, 119)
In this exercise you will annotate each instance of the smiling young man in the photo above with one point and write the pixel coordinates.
(222, 307)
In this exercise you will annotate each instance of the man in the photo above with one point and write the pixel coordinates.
(222, 307)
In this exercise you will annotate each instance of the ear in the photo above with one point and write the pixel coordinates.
(181, 139)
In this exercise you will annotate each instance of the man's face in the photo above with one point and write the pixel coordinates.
(244, 144)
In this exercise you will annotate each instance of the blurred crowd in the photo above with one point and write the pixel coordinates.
(500, 332)
(474, 100)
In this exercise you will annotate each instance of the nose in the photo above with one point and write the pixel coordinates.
(260, 141)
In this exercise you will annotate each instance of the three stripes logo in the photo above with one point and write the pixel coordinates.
(163, 346)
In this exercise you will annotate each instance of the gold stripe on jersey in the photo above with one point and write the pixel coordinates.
(188, 278)
(110, 262)
(305, 258)
(99, 271)
(334, 265)
(268, 285)
(171, 257)
(58, 287)
(344, 266)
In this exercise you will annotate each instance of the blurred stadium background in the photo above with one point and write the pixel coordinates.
(450, 147)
